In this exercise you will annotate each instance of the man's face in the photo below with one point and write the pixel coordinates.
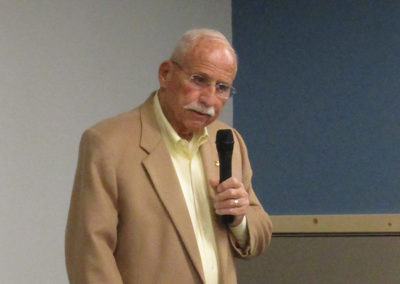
(178, 93)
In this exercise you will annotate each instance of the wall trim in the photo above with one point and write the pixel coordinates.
(356, 224)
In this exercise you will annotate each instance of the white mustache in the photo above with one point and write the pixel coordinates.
(200, 108)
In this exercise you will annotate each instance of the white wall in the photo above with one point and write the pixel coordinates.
(64, 65)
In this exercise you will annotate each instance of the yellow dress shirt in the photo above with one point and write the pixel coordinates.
(188, 166)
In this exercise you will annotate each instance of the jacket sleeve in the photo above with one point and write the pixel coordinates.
(258, 221)
(91, 233)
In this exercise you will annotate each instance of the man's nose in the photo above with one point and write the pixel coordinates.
(208, 95)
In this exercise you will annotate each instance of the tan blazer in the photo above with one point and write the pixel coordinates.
(128, 221)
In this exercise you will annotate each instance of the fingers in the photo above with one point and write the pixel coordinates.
(231, 197)
(231, 193)
(230, 207)
(231, 182)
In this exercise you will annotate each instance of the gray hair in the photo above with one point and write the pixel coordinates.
(191, 37)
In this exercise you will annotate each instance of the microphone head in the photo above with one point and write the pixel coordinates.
(224, 140)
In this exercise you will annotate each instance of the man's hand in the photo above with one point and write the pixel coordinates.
(231, 198)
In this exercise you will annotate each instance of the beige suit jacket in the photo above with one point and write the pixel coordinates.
(128, 221)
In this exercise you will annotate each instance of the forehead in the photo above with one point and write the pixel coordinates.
(213, 58)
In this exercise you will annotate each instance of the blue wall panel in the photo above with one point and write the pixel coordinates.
(318, 103)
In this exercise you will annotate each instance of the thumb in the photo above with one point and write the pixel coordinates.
(214, 182)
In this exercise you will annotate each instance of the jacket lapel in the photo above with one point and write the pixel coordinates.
(162, 174)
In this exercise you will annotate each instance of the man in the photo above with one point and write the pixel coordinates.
(146, 202)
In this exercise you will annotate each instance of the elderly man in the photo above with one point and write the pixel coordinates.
(147, 201)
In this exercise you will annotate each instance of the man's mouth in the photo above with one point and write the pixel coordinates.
(200, 113)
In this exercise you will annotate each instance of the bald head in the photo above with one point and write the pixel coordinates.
(196, 40)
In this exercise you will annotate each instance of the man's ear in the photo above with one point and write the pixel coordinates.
(164, 73)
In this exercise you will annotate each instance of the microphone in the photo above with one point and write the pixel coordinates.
(224, 143)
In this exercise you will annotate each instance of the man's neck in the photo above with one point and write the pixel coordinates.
(185, 136)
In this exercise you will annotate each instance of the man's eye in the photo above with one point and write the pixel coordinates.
(200, 80)
(222, 88)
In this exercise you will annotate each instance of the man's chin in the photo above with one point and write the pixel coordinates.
(199, 125)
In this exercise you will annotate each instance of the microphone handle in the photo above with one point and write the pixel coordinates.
(225, 172)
